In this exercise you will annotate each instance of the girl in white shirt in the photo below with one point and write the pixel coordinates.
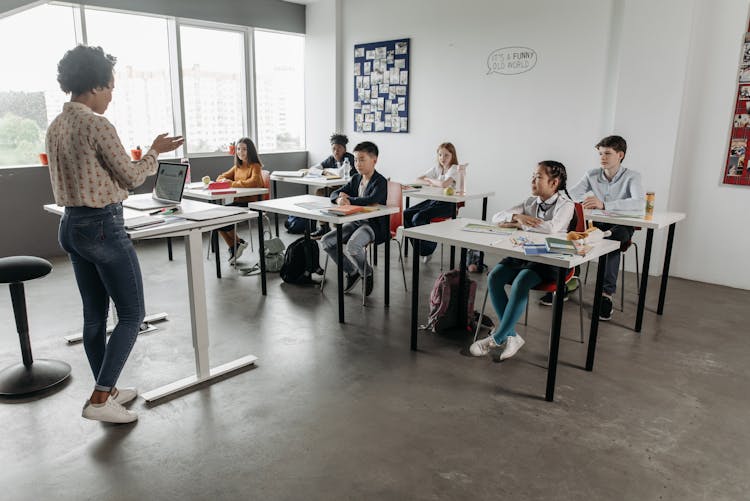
(442, 175)
(549, 210)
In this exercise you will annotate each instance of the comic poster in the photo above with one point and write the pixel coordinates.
(736, 171)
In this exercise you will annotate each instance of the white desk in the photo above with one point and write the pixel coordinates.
(198, 191)
(191, 231)
(316, 181)
(289, 206)
(435, 193)
(659, 221)
(450, 232)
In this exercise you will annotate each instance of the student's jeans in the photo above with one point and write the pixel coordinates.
(105, 266)
(621, 234)
(422, 213)
(509, 308)
(356, 236)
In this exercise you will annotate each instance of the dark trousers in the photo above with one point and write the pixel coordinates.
(422, 213)
(621, 234)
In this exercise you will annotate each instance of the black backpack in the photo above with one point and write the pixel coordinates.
(301, 259)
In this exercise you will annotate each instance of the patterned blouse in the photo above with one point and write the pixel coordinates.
(88, 165)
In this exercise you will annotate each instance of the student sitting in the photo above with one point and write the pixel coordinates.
(335, 163)
(549, 210)
(442, 175)
(246, 173)
(367, 187)
(611, 187)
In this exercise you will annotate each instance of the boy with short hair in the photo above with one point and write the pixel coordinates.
(611, 187)
(367, 187)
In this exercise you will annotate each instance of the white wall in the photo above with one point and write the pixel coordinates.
(714, 243)
(659, 73)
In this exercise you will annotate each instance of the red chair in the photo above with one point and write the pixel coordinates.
(396, 199)
(551, 286)
(266, 175)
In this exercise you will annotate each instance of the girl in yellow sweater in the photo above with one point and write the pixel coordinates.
(245, 173)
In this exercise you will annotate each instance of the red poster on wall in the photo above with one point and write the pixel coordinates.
(736, 169)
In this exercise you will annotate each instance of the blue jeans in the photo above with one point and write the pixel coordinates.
(355, 236)
(105, 266)
(422, 213)
(509, 309)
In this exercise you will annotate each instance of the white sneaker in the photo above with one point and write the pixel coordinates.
(427, 259)
(109, 412)
(512, 345)
(124, 395)
(240, 249)
(483, 346)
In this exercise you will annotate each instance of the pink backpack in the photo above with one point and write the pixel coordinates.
(443, 303)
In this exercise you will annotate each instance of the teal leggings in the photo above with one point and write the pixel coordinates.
(509, 309)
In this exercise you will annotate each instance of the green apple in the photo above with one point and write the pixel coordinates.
(206, 179)
(449, 191)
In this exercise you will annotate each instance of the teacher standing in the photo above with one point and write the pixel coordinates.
(91, 174)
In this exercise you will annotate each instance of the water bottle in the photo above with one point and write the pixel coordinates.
(347, 168)
(186, 161)
(461, 181)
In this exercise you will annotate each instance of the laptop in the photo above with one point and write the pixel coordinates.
(170, 181)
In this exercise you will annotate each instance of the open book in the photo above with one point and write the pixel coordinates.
(346, 210)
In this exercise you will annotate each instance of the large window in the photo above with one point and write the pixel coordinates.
(213, 87)
(141, 106)
(217, 101)
(280, 90)
(30, 96)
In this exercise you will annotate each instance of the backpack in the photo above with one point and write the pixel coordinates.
(301, 259)
(444, 303)
(274, 253)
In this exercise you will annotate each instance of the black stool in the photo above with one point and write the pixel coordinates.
(30, 376)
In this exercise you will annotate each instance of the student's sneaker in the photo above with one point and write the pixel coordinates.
(351, 281)
(605, 310)
(317, 234)
(241, 246)
(108, 412)
(232, 259)
(546, 300)
(124, 395)
(369, 284)
(512, 345)
(483, 346)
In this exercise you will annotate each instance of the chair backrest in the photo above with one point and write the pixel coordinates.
(395, 199)
(266, 183)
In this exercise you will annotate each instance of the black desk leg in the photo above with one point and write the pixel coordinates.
(414, 294)
(644, 280)
(387, 271)
(484, 209)
(276, 214)
(462, 290)
(169, 247)
(453, 248)
(340, 270)
(406, 247)
(594, 330)
(261, 253)
(215, 242)
(665, 271)
(554, 345)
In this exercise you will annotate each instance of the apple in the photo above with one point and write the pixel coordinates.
(206, 179)
(449, 191)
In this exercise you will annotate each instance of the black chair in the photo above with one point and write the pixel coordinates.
(29, 376)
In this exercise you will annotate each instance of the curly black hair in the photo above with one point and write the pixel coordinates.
(339, 139)
(85, 68)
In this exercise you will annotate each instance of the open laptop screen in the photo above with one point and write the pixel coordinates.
(170, 181)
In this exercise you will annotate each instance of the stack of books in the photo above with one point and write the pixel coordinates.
(554, 245)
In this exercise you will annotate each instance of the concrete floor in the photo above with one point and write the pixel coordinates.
(348, 412)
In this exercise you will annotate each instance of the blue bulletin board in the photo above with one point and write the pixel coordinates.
(381, 86)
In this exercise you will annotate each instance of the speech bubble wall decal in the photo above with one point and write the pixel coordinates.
(511, 60)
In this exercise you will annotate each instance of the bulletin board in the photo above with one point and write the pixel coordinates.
(381, 86)
(736, 170)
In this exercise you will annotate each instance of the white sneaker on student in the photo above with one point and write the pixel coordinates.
(512, 345)
(483, 346)
(241, 246)
(124, 395)
(109, 412)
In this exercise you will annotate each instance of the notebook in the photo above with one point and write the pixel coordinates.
(205, 215)
(170, 181)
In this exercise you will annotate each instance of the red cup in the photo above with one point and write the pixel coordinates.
(43, 159)
(136, 154)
